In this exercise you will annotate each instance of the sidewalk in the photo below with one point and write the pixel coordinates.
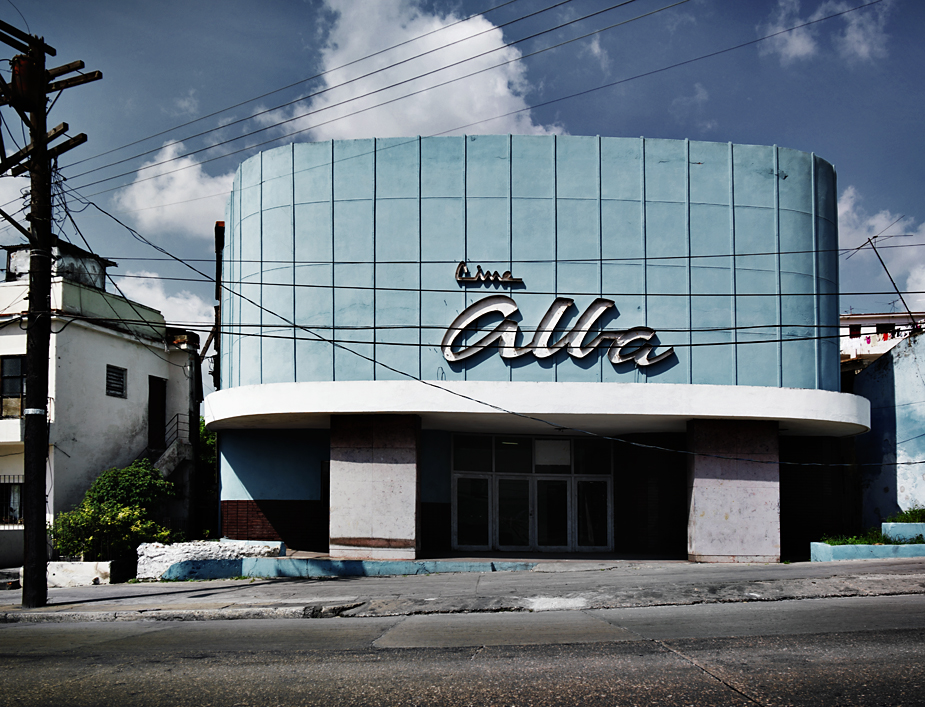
(550, 585)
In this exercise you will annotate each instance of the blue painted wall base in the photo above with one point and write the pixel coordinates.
(902, 531)
(823, 552)
(264, 567)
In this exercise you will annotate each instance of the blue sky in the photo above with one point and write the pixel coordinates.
(849, 88)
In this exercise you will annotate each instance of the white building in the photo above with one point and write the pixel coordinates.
(120, 386)
(866, 337)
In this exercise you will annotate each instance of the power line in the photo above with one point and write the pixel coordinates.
(292, 85)
(375, 91)
(496, 117)
(357, 78)
(317, 337)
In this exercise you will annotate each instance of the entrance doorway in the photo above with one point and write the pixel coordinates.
(532, 494)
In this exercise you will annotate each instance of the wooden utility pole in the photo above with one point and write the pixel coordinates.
(26, 93)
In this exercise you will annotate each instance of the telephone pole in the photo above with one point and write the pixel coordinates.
(26, 93)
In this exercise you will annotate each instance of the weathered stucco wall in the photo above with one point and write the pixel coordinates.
(895, 386)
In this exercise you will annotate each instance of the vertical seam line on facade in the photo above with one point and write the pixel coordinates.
(375, 259)
(645, 251)
(333, 276)
(687, 227)
(600, 248)
(260, 338)
(555, 226)
(816, 333)
(732, 249)
(837, 269)
(295, 331)
(465, 201)
(780, 301)
(420, 265)
(510, 221)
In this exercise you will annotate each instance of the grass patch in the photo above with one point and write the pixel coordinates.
(872, 537)
(916, 514)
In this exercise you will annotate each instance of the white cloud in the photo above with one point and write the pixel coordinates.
(862, 36)
(690, 109)
(11, 201)
(181, 308)
(187, 104)
(184, 200)
(598, 52)
(363, 28)
(796, 44)
(906, 262)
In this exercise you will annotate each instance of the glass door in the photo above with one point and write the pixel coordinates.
(472, 513)
(553, 514)
(593, 515)
(513, 514)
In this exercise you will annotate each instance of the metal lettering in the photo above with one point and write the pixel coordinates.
(462, 275)
(626, 345)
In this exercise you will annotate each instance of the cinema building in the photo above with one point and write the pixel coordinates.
(531, 344)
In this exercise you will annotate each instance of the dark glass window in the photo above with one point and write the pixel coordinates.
(115, 381)
(513, 455)
(854, 331)
(472, 453)
(592, 456)
(12, 384)
(11, 502)
(553, 456)
(472, 512)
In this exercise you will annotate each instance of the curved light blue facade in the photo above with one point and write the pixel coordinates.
(729, 252)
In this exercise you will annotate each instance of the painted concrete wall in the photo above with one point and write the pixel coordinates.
(358, 241)
(273, 464)
(733, 491)
(374, 487)
(895, 386)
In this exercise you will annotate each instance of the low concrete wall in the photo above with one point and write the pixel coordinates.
(902, 531)
(76, 574)
(279, 567)
(11, 547)
(823, 552)
(154, 559)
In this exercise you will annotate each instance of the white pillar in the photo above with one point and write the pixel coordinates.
(374, 487)
(733, 485)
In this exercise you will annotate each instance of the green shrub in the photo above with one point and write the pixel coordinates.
(872, 537)
(916, 514)
(138, 484)
(114, 517)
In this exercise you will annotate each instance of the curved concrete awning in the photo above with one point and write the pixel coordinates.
(538, 408)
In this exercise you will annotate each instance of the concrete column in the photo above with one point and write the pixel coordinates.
(374, 487)
(734, 496)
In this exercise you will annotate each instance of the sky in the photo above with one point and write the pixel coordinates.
(191, 89)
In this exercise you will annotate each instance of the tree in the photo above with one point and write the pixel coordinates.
(115, 515)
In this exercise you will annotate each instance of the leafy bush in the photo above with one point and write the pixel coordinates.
(872, 537)
(114, 517)
(916, 514)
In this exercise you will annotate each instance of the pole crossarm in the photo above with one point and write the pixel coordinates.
(18, 157)
(27, 39)
(74, 81)
(18, 226)
(54, 152)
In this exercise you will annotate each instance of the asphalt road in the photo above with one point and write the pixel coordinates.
(844, 651)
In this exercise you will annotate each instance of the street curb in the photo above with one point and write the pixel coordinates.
(686, 596)
(313, 611)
